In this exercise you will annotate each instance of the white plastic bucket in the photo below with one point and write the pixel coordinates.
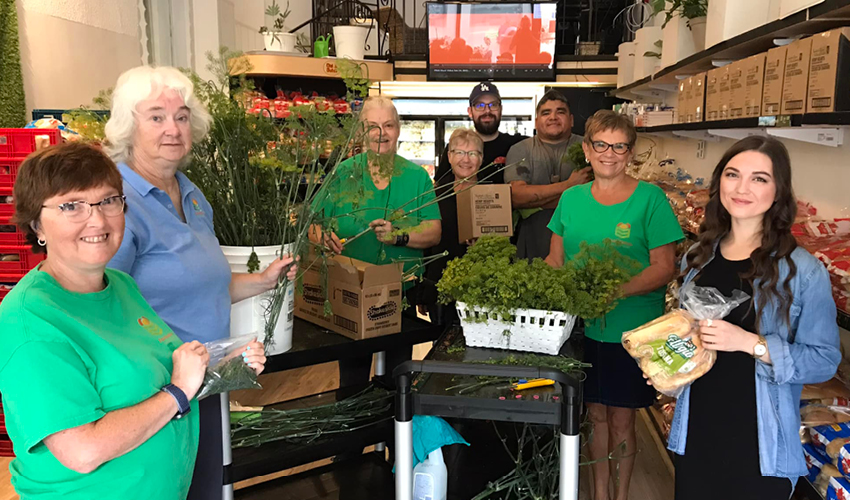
(350, 41)
(280, 41)
(248, 316)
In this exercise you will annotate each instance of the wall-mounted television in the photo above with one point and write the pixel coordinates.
(491, 41)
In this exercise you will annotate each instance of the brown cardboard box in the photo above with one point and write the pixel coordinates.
(712, 95)
(484, 209)
(829, 72)
(725, 92)
(682, 104)
(796, 77)
(774, 75)
(365, 298)
(696, 106)
(753, 84)
(737, 89)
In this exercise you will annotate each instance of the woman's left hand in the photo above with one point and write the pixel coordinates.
(286, 263)
(383, 230)
(721, 335)
(255, 357)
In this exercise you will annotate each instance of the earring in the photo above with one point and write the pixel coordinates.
(41, 242)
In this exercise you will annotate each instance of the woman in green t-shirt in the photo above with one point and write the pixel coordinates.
(97, 390)
(368, 189)
(618, 207)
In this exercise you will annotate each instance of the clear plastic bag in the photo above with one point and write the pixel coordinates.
(669, 350)
(227, 371)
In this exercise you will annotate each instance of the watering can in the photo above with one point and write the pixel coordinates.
(320, 46)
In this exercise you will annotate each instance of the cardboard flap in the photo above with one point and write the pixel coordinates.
(386, 274)
(343, 270)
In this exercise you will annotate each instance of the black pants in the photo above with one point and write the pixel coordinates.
(208, 478)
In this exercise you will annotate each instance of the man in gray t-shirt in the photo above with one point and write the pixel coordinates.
(540, 172)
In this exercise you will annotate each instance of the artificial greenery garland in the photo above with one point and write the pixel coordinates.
(12, 100)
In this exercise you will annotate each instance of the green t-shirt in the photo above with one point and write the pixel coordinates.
(355, 202)
(644, 221)
(67, 359)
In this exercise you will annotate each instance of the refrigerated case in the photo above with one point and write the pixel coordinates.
(427, 124)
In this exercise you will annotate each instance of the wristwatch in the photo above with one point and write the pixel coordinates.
(179, 396)
(760, 348)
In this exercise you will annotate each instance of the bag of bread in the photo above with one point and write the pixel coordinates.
(668, 349)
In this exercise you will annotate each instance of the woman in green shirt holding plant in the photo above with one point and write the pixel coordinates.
(638, 215)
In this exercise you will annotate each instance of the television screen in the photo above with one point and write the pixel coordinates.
(491, 41)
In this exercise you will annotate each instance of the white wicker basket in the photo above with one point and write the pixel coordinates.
(533, 330)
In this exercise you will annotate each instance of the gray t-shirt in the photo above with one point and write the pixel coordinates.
(538, 163)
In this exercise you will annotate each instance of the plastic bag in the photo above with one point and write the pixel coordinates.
(669, 350)
(227, 371)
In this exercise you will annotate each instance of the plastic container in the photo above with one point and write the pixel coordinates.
(350, 41)
(430, 478)
(6, 448)
(532, 330)
(20, 142)
(8, 174)
(13, 271)
(248, 316)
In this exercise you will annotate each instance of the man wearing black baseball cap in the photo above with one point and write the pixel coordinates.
(485, 110)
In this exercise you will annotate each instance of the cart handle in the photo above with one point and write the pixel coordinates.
(570, 385)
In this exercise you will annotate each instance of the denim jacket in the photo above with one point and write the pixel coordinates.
(809, 356)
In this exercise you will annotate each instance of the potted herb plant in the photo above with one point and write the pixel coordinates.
(278, 38)
(693, 11)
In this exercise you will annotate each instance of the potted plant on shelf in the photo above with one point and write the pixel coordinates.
(694, 11)
(277, 38)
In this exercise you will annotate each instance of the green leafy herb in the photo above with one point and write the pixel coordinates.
(230, 375)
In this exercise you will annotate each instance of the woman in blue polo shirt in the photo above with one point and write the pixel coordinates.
(169, 244)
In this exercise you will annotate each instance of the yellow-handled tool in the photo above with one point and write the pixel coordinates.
(530, 384)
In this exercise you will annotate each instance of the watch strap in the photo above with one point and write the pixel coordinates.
(761, 342)
(179, 396)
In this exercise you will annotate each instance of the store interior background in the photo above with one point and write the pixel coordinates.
(72, 49)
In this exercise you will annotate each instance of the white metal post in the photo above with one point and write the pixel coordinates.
(404, 460)
(227, 456)
(569, 467)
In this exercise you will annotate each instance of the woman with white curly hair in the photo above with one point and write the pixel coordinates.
(169, 245)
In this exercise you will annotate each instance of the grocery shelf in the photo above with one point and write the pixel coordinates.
(816, 19)
(270, 64)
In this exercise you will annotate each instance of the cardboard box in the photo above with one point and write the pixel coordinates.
(682, 104)
(737, 90)
(829, 72)
(712, 95)
(753, 84)
(774, 75)
(796, 81)
(483, 210)
(725, 92)
(696, 106)
(365, 298)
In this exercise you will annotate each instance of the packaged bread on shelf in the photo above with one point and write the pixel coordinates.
(669, 350)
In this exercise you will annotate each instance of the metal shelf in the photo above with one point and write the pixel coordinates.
(817, 19)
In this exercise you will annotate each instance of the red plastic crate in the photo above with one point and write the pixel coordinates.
(6, 449)
(16, 239)
(8, 174)
(13, 271)
(19, 142)
(3, 293)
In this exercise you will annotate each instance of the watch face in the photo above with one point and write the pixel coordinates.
(760, 350)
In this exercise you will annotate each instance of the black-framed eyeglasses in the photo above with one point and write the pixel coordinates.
(620, 148)
(492, 106)
(473, 155)
(79, 211)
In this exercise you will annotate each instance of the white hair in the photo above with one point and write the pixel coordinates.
(379, 102)
(146, 82)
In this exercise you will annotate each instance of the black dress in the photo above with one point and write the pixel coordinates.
(721, 459)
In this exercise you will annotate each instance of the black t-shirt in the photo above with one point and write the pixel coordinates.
(495, 152)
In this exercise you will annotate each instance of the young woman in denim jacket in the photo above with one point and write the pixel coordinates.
(735, 430)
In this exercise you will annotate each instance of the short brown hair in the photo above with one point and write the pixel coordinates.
(55, 171)
(605, 119)
(466, 135)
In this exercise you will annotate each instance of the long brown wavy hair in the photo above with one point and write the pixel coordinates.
(777, 242)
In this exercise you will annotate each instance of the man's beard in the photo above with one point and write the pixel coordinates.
(486, 129)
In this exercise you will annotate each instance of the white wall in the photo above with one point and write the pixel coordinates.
(821, 174)
(72, 49)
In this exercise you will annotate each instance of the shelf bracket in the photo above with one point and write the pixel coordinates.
(700, 135)
(823, 136)
(737, 133)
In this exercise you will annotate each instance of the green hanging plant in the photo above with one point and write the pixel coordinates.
(13, 105)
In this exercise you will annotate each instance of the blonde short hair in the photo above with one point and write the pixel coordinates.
(379, 102)
(138, 84)
(467, 135)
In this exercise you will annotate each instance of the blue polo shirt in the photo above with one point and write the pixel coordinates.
(178, 265)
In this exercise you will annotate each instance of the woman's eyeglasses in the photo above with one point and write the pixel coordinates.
(473, 155)
(79, 211)
(492, 106)
(620, 148)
